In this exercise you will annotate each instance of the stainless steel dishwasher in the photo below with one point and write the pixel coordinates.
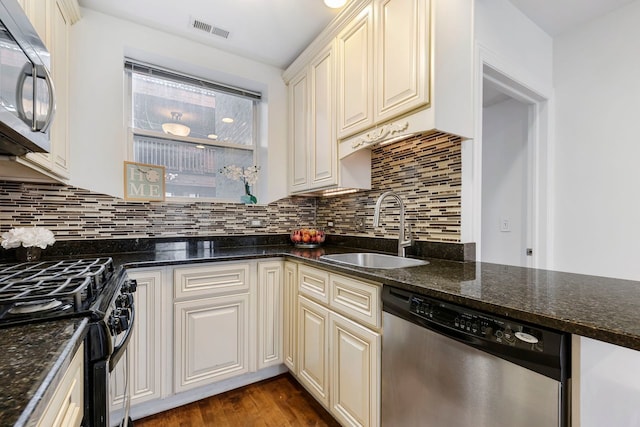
(444, 365)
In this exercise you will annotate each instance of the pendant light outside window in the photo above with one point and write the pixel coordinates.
(175, 127)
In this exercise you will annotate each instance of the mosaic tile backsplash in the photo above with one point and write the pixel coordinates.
(425, 171)
(72, 213)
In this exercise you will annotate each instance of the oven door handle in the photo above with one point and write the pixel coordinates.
(120, 349)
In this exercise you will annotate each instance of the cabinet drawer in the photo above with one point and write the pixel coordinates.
(66, 407)
(314, 283)
(211, 279)
(356, 299)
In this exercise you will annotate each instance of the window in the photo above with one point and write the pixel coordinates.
(192, 127)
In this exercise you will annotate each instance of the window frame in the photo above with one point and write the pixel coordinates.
(132, 132)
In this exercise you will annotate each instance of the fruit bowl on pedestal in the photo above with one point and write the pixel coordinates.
(307, 237)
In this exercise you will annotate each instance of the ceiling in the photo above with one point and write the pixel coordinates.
(270, 31)
(276, 31)
(558, 16)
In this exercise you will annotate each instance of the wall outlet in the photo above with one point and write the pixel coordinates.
(505, 224)
(359, 224)
(255, 223)
(329, 223)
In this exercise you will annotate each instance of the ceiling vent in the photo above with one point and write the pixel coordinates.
(208, 28)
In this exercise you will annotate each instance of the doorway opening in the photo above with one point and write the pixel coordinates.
(511, 175)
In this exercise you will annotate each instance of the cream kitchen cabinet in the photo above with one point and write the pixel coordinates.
(401, 57)
(211, 340)
(53, 19)
(354, 82)
(339, 344)
(212, 331)
(270, 313)
(400, 71)
(144, 353)
(203, 328)
(382, 64)
(66, 407)
(355, 372)
(290, 323)
(313, 147)
(313, 348)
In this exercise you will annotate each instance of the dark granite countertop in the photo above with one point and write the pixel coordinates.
(33, 359)
(601, 308)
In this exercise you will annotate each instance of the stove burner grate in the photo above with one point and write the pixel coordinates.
(73, 284)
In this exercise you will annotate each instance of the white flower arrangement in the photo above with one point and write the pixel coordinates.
(248, 175)
(27, 237)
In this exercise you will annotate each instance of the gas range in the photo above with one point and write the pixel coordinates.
(40, 291)
(91, 288)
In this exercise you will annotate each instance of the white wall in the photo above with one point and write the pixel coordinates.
(507, 41)
(597, 184)
(516, 45)
(504, 182)
(597, 192)
(98, 127)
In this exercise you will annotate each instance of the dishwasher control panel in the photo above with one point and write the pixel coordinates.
(477, 324)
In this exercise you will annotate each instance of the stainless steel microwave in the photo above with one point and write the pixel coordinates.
(27, 100)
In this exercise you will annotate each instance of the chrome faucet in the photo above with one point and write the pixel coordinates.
(403, 242)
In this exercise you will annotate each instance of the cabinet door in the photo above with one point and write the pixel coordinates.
(66, 406)
(402, 52)
(313, 349)
(144, 350)
(355, 372)
(211, 340)
(354, 52)
(270, 313)
(298, 133)
(323, 145)
(51, 20)
(59, 155)
(290, 318)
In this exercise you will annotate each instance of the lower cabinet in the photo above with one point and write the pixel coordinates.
(355, 369)
(144, 350)
(211, 338)
(66, 407)
(270, 313)
(198, 325)
(313, 348)
(339, 356)
(290, 316)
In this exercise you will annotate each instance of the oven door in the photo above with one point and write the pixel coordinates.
(120, 377)
(108, 373)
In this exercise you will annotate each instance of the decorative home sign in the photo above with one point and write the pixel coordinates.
(143, 182)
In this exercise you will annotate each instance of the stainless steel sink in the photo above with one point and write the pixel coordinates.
(373, 260)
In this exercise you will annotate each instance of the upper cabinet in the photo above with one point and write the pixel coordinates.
(402, 67)
(382, 67)
(401, 56)
(313, 152)
(355, 78)
(52, 20)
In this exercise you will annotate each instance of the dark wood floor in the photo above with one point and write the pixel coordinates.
(278, 401)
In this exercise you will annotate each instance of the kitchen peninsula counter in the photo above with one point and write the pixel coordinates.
(601, 308)
(32, 357)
